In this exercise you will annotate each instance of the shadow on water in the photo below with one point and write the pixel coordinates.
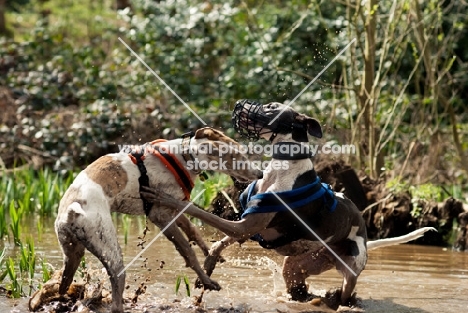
(400, 279)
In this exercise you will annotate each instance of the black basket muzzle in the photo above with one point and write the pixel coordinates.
(249, 119)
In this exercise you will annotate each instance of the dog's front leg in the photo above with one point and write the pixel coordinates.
(214, 256)
(243, 229)
(173, 233)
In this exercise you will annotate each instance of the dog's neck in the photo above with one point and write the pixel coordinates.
(291, 151)
(282, 178)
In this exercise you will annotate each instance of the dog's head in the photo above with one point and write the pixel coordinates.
(255, 120)
(220, 153)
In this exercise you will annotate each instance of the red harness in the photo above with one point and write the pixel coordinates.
(169, 160)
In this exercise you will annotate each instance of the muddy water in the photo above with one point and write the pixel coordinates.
(405, 278)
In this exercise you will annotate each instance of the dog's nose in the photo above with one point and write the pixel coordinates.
(260, 175)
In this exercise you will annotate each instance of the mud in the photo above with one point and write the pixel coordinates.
(402, 279)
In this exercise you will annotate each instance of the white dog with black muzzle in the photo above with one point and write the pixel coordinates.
(290, 211)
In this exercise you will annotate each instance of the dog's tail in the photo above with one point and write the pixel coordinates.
(375, 244)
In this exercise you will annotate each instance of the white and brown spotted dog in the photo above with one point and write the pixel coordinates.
(111, 184)
(327, 230)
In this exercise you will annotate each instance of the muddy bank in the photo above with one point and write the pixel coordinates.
(387, 214)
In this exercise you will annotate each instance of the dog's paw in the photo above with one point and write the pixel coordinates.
(211, 285)
(333, 300)
(210, 264)
(300, 293)
(198, 283)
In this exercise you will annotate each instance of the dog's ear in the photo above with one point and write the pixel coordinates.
(314, 128)
(311, 124)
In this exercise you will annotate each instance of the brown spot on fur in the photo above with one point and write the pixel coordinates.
(213, 134)
(108, 173)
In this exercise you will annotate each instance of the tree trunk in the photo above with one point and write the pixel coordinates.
(3, 30)
(366, 96)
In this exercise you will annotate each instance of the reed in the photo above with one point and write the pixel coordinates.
(46, 270)
(52, 187)
(3, 272)
(27, 262)
(29, 192)
(14, 287)
(15, 226)
(3, 222)
(126, 226)
(179, 280)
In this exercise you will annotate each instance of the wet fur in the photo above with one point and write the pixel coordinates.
(343, 230)
(110, 184)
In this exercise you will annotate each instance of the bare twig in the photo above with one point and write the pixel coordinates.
(376, 203)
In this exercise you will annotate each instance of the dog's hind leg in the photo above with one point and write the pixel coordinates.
(183, 247)
(95, 232)
(104, 245)
(73, 251)
(354, 255)
(192, 232)
(356, 264)
(297, 268)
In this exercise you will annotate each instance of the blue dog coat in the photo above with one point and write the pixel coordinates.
(295, 199)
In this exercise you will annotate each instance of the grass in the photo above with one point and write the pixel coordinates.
(27, 262)
(26, 193)
(15, 217)
(179, 280)
(14, 287)
(20, 270)
(46, 270)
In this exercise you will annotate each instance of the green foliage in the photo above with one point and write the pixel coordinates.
(428, 192)
(126, 220)
(3, 272)
(83, 269)
(212, 53)
(3, 221)
(29, 192)
(15, 217)
(186, 283)
(15, 287)
(212, 185)
(218, 51)
(46, 271)
(19, 270)
(27, 263)
(422, 192)
(15, 5)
